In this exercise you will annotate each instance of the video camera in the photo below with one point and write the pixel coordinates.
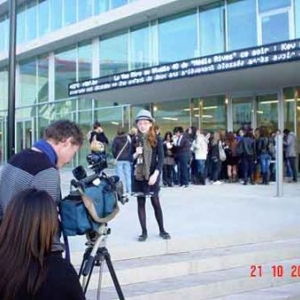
(97, 162)
(93, 202)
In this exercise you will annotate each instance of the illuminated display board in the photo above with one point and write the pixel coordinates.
(235, 60)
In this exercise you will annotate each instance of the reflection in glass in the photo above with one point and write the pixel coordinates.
(114, 55)
(85, 9)
(177, 37)
(70, 11)
(267, 5)
(4, 34)
(84, 61)
(242, 111)
(42, 79)
(56, 14)
(65, 72)
(171, 114)
(3, 89)
(101, 6)
(275, 28)
(21, 17)
(212, 113)
(31, 20)
(297, 18)
(212, 29)
(267, 111)
(242, 31)
(290, 101)
(27, 83)
(118, 3)
(43, 17)
(139, 48)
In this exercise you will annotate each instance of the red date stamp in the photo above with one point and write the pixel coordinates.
(277, 271)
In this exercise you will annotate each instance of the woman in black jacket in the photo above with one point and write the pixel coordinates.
(29, 270)
(148, 163)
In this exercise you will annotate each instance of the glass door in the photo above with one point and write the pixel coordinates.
(242, 113)
(24, 134)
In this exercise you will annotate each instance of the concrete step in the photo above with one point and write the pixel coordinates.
(205, 285)
(284, 292)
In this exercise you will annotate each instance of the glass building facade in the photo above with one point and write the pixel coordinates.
(64, 41)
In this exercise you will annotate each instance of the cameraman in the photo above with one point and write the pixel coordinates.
(38, 167)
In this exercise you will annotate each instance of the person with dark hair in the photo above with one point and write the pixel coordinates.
(121, 149)
(38, 167)
(29, 270)
(263, 153)
(148, 157)
(98, 134)
(182, 154)
(290, 144)
(169, 162)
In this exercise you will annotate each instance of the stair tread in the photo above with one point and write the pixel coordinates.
(284, 292)
(236, 277)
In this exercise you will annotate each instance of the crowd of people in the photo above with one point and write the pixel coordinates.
(30, 243)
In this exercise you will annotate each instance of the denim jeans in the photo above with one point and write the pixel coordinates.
(200, 166)
(264, 160)
(123, 170)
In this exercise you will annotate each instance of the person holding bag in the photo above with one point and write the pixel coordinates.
(121, 149)
(148, 158)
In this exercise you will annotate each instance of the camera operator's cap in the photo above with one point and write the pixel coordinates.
(144, 115)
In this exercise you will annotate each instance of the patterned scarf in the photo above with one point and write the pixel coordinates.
(142, 171)
(46, 148)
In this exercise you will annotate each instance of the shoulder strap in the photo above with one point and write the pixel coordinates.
(122, 150)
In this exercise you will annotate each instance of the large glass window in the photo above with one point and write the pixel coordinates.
(4, 34)
(31, 21)
(65, 72)
(177, 37)
(171, 114)
(117, 3)
(42, 79)
(297, 18)
(266, 5)
(43, 17)
(85, 9)
(84, 61)
(212, 113)
(242, 112)
(242, 31)
(21, 21)
(101, 6)
(114, 54)
(56, 14)
(3, 89)
(212, 31)
(70, 11)
(139, 48)
(267, 111)
(290, 104)
(27, 83)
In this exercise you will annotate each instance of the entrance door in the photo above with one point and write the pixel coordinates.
(24, 134)
(242, 113)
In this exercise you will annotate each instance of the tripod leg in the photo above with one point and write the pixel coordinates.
(112, 273)
(100, 278)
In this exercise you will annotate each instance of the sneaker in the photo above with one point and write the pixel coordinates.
(218, 182)
(165, 235)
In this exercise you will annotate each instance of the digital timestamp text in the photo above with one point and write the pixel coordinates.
(276, 271)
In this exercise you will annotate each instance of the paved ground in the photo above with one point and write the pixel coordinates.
(211, 214)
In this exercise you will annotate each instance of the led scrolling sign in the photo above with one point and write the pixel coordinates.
(258, 56)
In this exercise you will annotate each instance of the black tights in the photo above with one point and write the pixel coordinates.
(157, 211)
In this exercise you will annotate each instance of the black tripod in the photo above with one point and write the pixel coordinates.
(95, 254)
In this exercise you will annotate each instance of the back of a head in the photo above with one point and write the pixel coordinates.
(26, 235)
(61, 130)
(96, 125)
